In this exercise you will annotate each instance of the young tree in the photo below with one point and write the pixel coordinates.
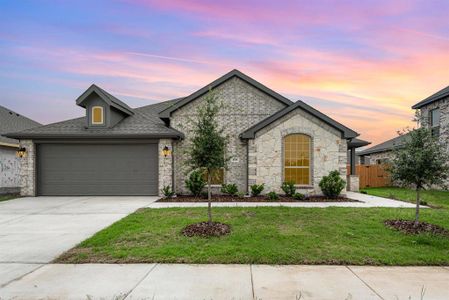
(420, 161)
(207, 151)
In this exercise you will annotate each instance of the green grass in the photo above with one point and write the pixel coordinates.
(7, 197)
(268, 235)
(434, 198)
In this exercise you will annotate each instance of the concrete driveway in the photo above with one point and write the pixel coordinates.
(35, 230)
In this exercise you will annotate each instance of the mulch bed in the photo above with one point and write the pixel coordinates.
(228, 198)
(203, 229)
(409, 227)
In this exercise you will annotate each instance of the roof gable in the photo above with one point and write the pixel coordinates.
(165, 114)
(346, 132)
(106, 97)
(435, 97)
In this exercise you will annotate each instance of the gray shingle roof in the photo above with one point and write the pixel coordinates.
(346, 132)
(11, 121)
(435, 97)
(385, 146)
(145, 123)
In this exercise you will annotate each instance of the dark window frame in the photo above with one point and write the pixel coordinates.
(435, 124)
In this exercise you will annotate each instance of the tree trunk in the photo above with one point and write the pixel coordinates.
(209, 208)
(417, 207)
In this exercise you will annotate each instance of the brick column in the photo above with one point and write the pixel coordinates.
(27, 169)
(165, 165)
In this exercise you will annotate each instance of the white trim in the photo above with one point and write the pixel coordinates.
(92, 115)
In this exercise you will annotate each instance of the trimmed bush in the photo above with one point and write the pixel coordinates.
(230, 189)
(167, 191)
(195, 183)
(256, 189)
(299, 196)
(273, 196)
(289, 188)
(332, 184)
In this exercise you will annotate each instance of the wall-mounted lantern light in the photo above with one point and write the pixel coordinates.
(166, 151)
(21, 152)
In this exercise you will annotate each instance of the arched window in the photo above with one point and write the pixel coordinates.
(97, 115)
(297, 159)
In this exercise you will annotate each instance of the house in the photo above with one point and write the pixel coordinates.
(9, 162)
(118, 150)
(380, 153)
(434, 111)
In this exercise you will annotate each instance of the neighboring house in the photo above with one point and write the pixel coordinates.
(118, 150)
(9, 162)
(435, 114)
(380, 153)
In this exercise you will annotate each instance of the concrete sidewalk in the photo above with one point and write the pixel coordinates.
(365, 201)
(177, 281)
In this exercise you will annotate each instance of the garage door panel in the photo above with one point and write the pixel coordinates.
(102, 169)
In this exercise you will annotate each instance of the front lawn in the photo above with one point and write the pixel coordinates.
(434, 198)
(7, 197)
(268, 235)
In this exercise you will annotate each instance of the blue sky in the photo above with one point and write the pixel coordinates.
(362, 62)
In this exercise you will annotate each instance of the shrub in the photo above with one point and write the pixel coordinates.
(332, 184)
(241, 195)
(195, 183)
(289, 188)
(273, 196)
(167, 191)
(299, 196)
(230, 189)
(256, 189)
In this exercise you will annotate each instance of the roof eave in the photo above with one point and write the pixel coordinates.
(346, 133)
(179, 135)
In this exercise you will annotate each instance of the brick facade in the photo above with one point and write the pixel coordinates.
(244, 106)
(443, 105)
(27, 169)
(165, 165)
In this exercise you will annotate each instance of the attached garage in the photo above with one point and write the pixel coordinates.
(66, 169)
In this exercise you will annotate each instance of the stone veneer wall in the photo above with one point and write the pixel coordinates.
(329, 151)
(165, 165)
(244, 106)
(27, 169)
(386, 155)
(353, 183)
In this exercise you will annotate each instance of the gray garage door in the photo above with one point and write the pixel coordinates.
(97, 169)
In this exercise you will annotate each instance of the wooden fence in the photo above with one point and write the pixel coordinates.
(372, 175)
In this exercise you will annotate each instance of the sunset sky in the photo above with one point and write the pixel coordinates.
(364, 63)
